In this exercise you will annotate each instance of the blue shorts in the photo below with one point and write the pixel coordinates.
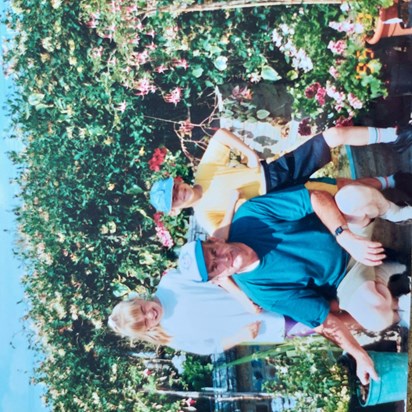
(296, 167)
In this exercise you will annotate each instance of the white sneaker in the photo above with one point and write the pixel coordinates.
(388, 269)
(404, 310)
(397, 214)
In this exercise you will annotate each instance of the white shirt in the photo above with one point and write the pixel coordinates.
(198, 315)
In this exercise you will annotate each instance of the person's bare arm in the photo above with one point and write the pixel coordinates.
(246, 334)
(222, 232)
(230, 140)
(232, 288)
(334, 330)
(366, 251)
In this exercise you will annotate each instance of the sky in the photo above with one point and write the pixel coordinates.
(16, 360)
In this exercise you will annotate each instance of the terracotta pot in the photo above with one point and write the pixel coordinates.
(391, 29)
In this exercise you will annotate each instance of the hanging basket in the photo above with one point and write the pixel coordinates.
(383, 29)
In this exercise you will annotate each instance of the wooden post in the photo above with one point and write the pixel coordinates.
(217, 396)
(236, 4)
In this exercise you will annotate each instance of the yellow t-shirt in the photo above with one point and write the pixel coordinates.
(219, 180)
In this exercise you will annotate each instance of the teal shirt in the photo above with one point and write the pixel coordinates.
(301, 264)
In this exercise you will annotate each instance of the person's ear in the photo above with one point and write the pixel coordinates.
(174, 211)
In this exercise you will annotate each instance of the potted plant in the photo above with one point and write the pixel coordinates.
(311, 373)
(388, 24)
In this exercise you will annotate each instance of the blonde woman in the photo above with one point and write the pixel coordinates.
(197, 317)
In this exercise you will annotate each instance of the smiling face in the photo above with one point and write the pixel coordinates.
(182, 195)
(136, 315)
(226, 258)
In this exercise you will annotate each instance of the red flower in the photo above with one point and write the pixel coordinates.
(320, 95)
(311, 90)
(304, 127)
(157, 217)
(157, 159)
(344, 122)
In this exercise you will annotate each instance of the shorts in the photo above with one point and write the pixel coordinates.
(294, 329)
(296, 167)
(356, 273)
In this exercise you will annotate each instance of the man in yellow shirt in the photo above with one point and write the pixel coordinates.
(218, 187)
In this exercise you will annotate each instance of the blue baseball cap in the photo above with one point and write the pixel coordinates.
(192, 261)
(161, 195)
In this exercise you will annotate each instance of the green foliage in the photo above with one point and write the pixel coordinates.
(100, 86)
(334, 74)
(308, 374)
(196, 373)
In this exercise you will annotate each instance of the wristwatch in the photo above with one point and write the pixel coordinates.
(340, 229)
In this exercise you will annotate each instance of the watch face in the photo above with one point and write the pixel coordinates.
(338, 231)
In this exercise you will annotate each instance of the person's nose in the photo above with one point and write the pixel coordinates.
(222, 258)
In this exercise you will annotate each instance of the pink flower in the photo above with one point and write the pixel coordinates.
(134, 40)
(151, 33)
(243, 93)
(174, 96)
(354, 101)
(320, 95)
(144, 87)
(131, 9)
(333, 71)
(147, 372)
(181, 63)
(161, 232)
(140, 58)
(343, 26)
(186, 127)
(164, 236)
(92, 23)
(161, 69)
(333, 93)
(121, 107)
(189, 402)
(337, 47)
(152, 46)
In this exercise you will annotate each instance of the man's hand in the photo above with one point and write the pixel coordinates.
(363, 250)
(365, 369)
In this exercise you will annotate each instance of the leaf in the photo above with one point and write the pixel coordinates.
(197, 72)
(35, 99)
(221, 63)
(262, 114)
(120, 290)
(134, 190)
(42, 106)
(268, 73)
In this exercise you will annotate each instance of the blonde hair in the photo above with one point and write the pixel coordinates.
(123, 321)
